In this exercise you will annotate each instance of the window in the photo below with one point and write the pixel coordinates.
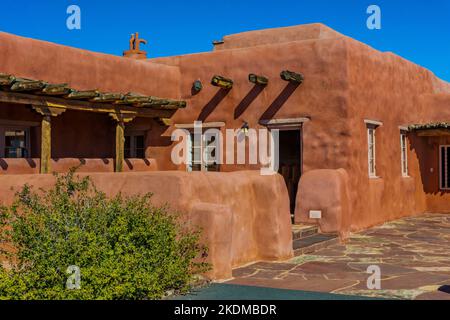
(14, 142)
(371, 151)
(204, 151)
(404, 153)
(134, 146)
(372, 126)
(445, 167)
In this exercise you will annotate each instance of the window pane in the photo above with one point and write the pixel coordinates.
(443, 168)
(127, 147)
(371, 151)
(404, 161)
(15, 144)
(139, 142)
(447, 167)
(140, 153)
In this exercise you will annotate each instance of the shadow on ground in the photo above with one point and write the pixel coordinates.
(239, 292)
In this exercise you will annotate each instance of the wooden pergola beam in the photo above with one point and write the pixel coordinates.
(45, 101)
(21, 85)
(108, 97)
(433, 133)
(57, 89)
(6, 79)
(133, 98)
(83, 95)
(9, 83)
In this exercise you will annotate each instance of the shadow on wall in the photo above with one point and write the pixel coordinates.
(280, 100)
(130, 165)
(14, 166)
(248, 99)
(212, 104)
(4, 164)
(427, 151)
(157, 137)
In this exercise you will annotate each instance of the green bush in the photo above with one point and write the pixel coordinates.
(124, 247)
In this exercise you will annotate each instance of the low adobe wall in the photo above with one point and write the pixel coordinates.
(325, 190)
(32, 165)
(244, 216)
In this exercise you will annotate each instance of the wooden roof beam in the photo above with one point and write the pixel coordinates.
(292, 76)
(83, 95)
(222, 82)
(258, 80)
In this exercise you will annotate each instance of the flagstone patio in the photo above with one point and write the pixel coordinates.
(413, 255)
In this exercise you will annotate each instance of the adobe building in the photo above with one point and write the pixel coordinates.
(364, 135)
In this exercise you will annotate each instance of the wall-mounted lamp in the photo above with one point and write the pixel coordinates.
(244, 128)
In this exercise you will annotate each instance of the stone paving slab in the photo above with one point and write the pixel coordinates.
(413, 255)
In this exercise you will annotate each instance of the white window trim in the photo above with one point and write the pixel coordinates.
(375, 123)
(203, 150)
(404, 155)
(441, 183)
(209, 125)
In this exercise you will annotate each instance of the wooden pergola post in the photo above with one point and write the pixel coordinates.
(120, 146)
(121, 119)
(46, 135)
(46, 144)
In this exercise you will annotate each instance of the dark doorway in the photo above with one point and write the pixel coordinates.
(290, 162)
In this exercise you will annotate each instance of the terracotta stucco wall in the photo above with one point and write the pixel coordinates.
(384, 87)
(83, 69)
(322, 96)
(346, 82)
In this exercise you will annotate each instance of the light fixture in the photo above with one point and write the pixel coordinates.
(245, 128)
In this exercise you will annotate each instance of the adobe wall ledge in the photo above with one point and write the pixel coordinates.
(245, 216)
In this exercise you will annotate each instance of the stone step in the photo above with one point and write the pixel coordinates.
(313, 243)
(300, 231)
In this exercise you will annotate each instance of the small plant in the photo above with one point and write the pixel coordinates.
(124, 248)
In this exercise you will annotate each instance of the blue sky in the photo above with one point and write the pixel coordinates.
(415, 29)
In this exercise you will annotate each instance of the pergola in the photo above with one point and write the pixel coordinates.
(434, 129)
(51, 100)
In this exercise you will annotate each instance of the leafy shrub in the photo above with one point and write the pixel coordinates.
(125, 247)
